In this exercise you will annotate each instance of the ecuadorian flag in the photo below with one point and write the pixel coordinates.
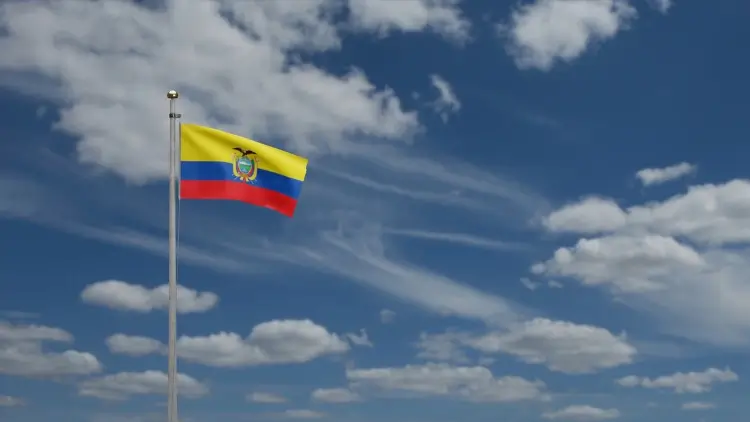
(220, 165)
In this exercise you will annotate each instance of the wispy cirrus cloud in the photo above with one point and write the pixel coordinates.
(349, 244)
(460, 239)
(355, 147)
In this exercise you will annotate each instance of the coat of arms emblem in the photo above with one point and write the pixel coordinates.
(245, 165)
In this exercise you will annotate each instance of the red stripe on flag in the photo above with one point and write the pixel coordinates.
(238, 191)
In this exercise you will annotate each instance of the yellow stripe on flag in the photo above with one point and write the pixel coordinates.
(201, 143)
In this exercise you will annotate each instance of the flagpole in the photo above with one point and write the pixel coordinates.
(172, 360)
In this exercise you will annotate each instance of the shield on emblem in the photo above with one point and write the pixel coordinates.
(245, 165)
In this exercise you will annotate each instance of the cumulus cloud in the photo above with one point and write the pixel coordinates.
(302, 414)
(529, 284)
(447, 102)
(662, 6)
(22, 333)
(697, 295)
(272, 342)
(445, 347)
(713, 214)
(657, 176)
(134, 345)
(387, 316)
(18, 314)
(697, 405)
(278, 341)
(360, 339)
(441, 16)
(89, 54)
(544, 32)
(561, 346)
(314, 112)
(582, 413)
(268, 398)
(9, 401)
(590, 215)
(22, 353)
(475, 384)
(123, 385)
(335, 395)
(690, 382)
(629, 263)
(126, 417)
(682, 260)
(125, 296)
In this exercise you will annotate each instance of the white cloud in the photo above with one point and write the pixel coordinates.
(302, 414)
(268, 398)
(447, 102)
(360, 256)
(446, 347)
(561, 346)
(360, 248)
(700, 296)
(8, 401)
(476, 384)
(335, 395)
(459, 239)
(683, 260)
(19, 314)
(121, 42)
(28, 359)
(314, 112)
(708, 214)
(96, 50)
(464, 186)
(272, 342)
(22, 353)
(123, 385)
(441, 16)
(544, 32)
(360, 339)
(691, 382)
(529, 284)
(365, 260)
(582, 413)
(629, 263)
(697, 405)
(588, 216)
(278, 341)
(387, 316)
(353, 253)
(33, 200)
(133, 345)
(662, 6)
(552, 284)
(23, 333)
(124, 296)
(657, 176)
(131, 417)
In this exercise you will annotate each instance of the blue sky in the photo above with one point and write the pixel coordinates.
(517, 211)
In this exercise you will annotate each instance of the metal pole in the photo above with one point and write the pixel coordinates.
(172, 365)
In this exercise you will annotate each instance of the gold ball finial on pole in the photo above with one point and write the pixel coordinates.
(173, 95)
